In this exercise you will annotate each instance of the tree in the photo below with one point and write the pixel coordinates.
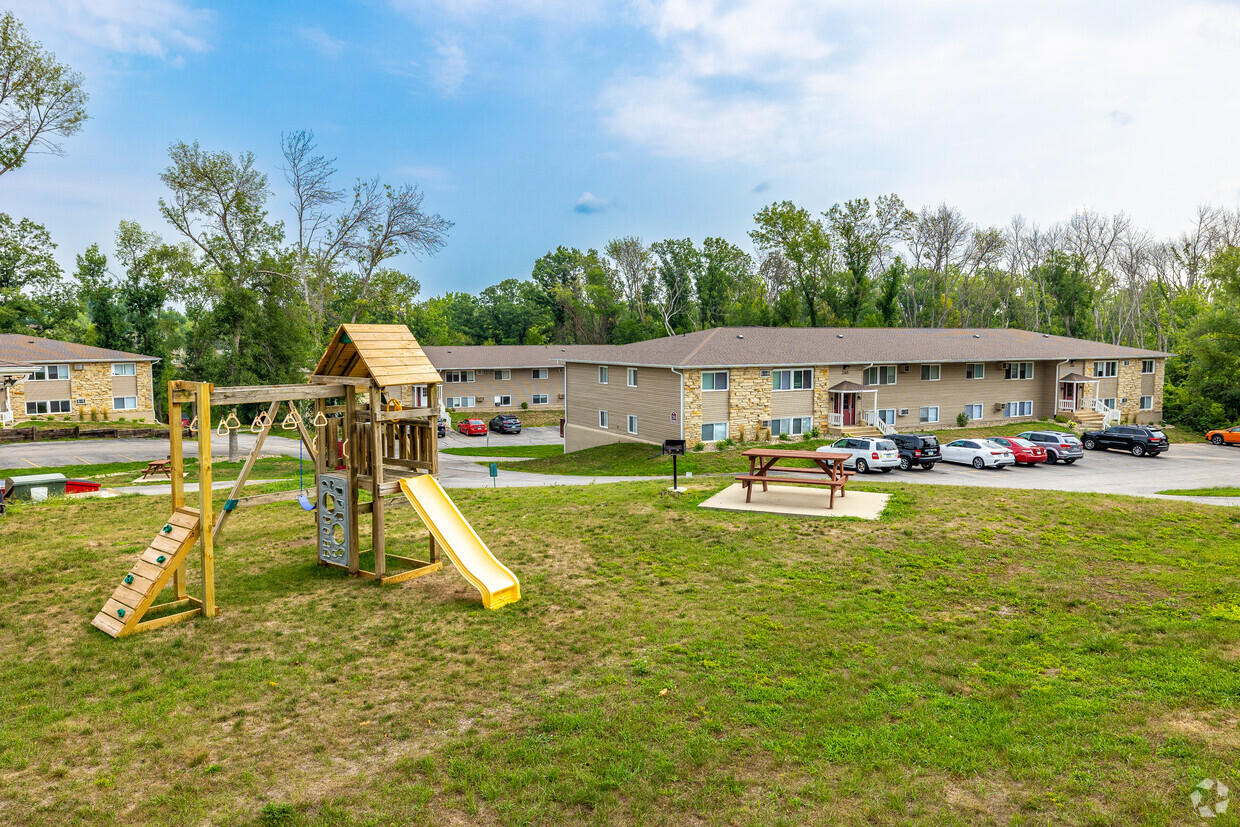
(862, 240)
(103, 304)
(633, 262)
(1070, 288)
(28, 273)
(679, 266)
(727, 272)
(803, 242)
(40, 100)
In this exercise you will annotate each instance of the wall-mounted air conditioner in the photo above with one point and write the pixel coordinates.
(764, 374)
(904, 412)
(998, 406)
(80, 366)
(79, 401)
(906, 368)
(1005, 365)
(1125, 363)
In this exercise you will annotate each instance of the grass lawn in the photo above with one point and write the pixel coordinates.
(1221, 491)
(532, 418)
(953, 663)
(508, 451)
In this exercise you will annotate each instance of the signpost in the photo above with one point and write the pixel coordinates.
(494, 473)
(674, 448)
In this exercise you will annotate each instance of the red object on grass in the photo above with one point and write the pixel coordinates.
(79, 486)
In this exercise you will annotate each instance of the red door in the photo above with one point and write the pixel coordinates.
(850, 408)
(1069, 393)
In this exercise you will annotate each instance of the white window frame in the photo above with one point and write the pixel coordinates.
(631, 377)
(931, 373)
(631, 421)
(1106, 369)
(714, 381)
(968, 411)
(502, 375)
(1147, 403)
(792, 425)
(503, 401)
(40, 373)
(714, 431)
(539, 399)
(923, 414)
(1145, 372)
(789, 376)
(879, 372)
(63, 406)
(538, 373)
(123, 406)
(602, 374)
(1014, 369)
(1020, 407)
(887, 415)
(1109, 402)
(602, 420)
(462, 402)
(978, 369)
(119, 369)
(458, 376)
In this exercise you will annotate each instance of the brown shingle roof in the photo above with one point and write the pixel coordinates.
(386, 353)
(486, 357)
(19, 347)
(776, 346)
(1076, 377)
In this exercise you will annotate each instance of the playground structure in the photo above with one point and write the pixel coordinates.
(377, 436)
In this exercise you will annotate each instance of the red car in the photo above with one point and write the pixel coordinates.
(1026, 452)
(472, 427)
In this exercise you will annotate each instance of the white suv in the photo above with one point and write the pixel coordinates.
(867, 453)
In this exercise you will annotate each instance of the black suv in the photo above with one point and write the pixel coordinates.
(505, 424)
(1138, 440)
(917, 449)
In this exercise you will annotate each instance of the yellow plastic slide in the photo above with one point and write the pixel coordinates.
(457, 538)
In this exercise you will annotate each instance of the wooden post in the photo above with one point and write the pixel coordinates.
(376, 481)
(350, 464)
(433, 394)
(178, 480)
(204, 488)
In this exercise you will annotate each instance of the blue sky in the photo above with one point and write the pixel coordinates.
(534, 123)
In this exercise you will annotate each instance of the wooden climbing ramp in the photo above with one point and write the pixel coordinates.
(163, 560)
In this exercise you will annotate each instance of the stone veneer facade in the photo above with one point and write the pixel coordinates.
(749, 401)
(94, 383)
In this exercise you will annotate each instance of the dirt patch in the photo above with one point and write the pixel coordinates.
(1216, 728)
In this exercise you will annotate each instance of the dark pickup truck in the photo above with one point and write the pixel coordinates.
(917, 449)
(1138, 440)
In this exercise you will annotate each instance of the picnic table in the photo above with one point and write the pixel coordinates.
(827, 469)
(158, 466)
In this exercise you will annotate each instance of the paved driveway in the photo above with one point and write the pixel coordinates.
(94, 451)
(1104, 472)
(465, 472)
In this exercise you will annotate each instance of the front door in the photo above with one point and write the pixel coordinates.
(850, 408)
(1069, 394)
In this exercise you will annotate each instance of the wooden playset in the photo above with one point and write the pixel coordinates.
(378, 444)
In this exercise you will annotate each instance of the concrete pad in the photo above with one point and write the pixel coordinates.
(801, 501)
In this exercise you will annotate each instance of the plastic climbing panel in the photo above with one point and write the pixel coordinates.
(122, 614)
(335, 517)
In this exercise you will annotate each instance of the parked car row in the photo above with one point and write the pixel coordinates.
(908, 451)
(503, 424)
(1138, 440)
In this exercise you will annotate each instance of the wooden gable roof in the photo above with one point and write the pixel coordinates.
(386, 353)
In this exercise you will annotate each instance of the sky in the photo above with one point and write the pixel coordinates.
(537, 123)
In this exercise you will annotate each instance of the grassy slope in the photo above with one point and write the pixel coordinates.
(508, 451)
(1221, 491)
(124, 473)
(955, 663)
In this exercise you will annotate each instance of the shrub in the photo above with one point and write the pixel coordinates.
(81, 414)
(699, 447)
(784, 438)
(273, 815)
(724, 444)
(105, 414)
(962, 420)
(525, 406)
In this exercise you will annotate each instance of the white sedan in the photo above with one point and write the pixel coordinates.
(979, 453)
(866, 453)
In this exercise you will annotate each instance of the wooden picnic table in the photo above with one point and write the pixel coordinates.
(828, 465)
(158, 466)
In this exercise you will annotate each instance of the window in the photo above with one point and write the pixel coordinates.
(602, 419)
(930, 373)
(1018, 370)
(632, 424)
(887, 415)
(49, 372)
(975, 370)
(1019, 408)
(52, 407)
(503, 401)
(539, 373)
(540, 399)
(715, 431)
(503, 375)
(1147, 403)
(632, 377)
(122, 369)
(125, 403)
(973, 411)
(458, 376)
(881, 375)
(1105, 369)
(456, 402)
(1109, 401)
(792, 380)
(795, 426)
(602, 377)
(1147, 365)
(716, 380)
(929, 413)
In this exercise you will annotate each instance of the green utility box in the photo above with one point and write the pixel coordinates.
(37, 487)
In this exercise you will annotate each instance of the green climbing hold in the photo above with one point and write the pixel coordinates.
(161, 558)
(168, 528)
(120, 612)
(128, 579)
(230, 505)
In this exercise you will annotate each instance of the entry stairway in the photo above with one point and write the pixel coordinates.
(1090, 420)
(860, 430)
(122, 614)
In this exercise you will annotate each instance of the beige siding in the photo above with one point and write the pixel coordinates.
(792, 403)
(716, 406)
(124, 386)
(95, 384)
(655, 402)
(521, 386)
(48, 389)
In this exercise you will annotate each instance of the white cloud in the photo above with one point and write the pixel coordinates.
(589, 203)
(451, 66)
(325, 44)
(157, 28)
